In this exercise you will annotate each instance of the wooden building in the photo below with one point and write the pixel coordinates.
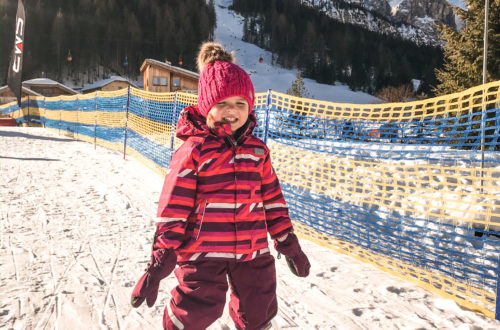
(48, 87)
(164, 77)
(111, 84)
(7, 96)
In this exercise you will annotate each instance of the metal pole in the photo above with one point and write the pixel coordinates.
(95, 122)
(485, 62)
(497, 307)
(60, 115)
(29, 119)
(268, 109)
(77, 120)
(485, 39)
(174, 122)
(44, 112)
(126, 124)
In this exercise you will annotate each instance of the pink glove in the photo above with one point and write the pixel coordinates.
(296, 259)
(162, 264)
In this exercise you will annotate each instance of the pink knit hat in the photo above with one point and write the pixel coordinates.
(220, 78)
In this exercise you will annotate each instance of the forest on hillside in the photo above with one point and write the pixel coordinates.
(327, 50)
(104, 37)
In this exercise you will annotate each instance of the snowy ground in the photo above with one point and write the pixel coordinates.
(76, 229)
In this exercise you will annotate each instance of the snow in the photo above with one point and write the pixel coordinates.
(77, 224)
(76, 231)
(229, 32)
(41, 81)
(458, 3)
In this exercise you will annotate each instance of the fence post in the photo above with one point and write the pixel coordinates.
(95, 122)
(173, 124)
(497, 300)
(77, 111)
(28, 119)
(60, 115)
(126, 124)
(268, 109)
(44, 113)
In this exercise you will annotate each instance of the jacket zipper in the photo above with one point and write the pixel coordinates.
(202, 217)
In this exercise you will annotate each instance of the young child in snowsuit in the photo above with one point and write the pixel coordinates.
(220, 199)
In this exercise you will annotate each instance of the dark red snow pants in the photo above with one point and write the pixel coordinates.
(199, 299)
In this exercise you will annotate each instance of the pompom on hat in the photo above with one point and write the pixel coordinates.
(220, 78)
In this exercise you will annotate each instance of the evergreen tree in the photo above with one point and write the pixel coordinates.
(463, 52)
(298, 87)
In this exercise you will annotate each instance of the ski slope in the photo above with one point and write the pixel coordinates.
(76, 230)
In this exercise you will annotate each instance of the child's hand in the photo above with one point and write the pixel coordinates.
(162, 264)
(296, 259)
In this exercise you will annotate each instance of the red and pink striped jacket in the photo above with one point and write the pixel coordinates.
(220, 197)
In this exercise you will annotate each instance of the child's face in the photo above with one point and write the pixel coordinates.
(232, 110)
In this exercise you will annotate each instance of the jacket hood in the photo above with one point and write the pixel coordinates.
(192, 123)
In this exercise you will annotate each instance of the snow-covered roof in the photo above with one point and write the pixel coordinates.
(24, 90)
(48, 83)
(170, 67)
(104, 82)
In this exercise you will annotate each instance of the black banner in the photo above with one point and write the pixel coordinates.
(14, 77)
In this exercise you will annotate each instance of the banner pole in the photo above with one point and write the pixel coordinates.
(15, 72)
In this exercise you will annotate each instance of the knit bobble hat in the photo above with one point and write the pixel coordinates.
(220, 78)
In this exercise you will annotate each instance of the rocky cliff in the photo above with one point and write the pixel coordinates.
(415, 20)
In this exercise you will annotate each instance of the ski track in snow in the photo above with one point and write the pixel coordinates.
(76, 231)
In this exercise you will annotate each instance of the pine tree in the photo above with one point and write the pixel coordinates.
(464, 49)
(298, 87)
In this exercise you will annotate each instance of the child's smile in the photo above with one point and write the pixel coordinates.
(232, 110)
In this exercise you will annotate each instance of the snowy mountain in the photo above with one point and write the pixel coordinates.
(410, 19)
(229, 32)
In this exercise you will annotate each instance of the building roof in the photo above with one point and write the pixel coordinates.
(168, 66)
(46, 82)
(24, 90)
(104, 82)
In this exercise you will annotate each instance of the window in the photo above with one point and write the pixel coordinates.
(156, 81)
(163, 82)
(177, 82)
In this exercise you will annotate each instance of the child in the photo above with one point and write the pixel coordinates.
(220, 198)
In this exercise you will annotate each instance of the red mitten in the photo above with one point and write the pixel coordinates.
(163, 262)
(296, 259)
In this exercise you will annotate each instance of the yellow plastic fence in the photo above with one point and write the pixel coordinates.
(412, 188)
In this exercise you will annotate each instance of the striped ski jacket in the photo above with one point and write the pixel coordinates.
(220, 197)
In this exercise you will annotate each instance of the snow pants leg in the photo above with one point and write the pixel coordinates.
(199, 299)
(253, 301)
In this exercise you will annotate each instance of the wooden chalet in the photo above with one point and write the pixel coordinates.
(111, 84)
(7, 96)
(164, 77)
(48, 87)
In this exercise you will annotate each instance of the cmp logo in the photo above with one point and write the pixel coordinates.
(18, 48)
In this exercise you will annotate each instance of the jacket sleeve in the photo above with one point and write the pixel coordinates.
(278, 221)
(177, 198)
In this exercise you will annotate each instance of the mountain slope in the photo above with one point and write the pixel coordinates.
(229, 32)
